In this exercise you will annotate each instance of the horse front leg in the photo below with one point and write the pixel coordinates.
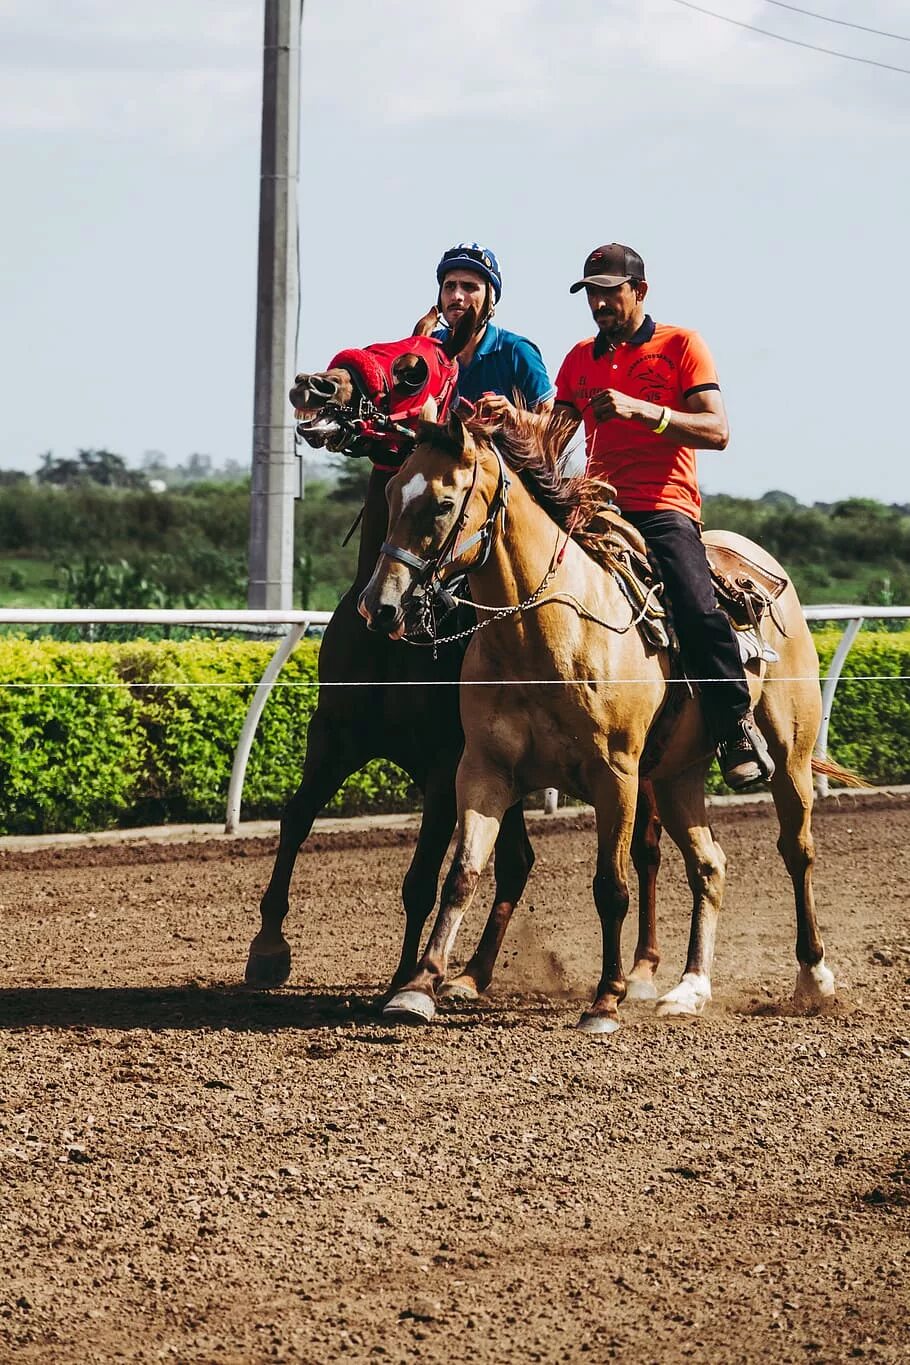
(512, 863)
(615, 801)
(646, 861)
(421, 880)
(482, 801)
(792, 790)
(326, 767)
(682, 808)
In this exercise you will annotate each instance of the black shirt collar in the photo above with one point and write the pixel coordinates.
(644, 333)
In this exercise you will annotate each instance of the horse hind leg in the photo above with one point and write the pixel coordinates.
(791, 788)
(646, 861)
(325, 768)
(681, 802)
(512, 863)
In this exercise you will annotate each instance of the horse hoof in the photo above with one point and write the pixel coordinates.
(687, 999)
(410, 1007)
(640, 988)
(460, 988)
(267, 970)
(814, 986)
(597, 1023)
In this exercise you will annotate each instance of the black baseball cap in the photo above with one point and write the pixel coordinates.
(609, 266)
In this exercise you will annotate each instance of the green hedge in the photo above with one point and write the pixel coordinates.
(98, 735)
(870, 720)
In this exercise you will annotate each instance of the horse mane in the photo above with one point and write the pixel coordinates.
(533, 447)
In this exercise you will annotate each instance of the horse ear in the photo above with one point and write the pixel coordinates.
(430, 411)
(456, 341)
(455, 431)
(426, 325)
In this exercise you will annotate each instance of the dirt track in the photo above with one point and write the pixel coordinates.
(197, 1174)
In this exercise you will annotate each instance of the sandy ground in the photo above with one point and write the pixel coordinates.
(192, 1172)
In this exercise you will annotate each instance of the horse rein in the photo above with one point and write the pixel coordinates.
(450, 551)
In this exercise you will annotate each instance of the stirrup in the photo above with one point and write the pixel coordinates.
(743, 756)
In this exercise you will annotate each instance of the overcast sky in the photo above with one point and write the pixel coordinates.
(765, 186)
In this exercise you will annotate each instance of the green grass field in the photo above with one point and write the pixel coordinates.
(28, 583)
(32, 582)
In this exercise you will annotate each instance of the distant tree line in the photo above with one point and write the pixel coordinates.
(107, 470)
(177, 535)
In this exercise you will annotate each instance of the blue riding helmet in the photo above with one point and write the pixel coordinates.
(472, 256)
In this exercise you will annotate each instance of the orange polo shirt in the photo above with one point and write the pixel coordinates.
(661, 364)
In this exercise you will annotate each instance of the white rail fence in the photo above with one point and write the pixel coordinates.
(298, 622)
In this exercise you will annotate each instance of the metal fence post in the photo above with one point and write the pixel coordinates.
(845, 644)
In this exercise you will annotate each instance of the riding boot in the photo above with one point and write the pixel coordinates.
(743, 755)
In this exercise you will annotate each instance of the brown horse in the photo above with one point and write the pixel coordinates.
(569, 694)
(389, 704)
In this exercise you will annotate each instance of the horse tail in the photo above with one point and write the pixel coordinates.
(828, 768)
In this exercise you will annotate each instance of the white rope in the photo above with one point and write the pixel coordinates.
(455, 682)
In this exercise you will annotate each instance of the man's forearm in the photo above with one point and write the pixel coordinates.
(700, 430)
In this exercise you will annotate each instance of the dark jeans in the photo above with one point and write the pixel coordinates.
(706, 639)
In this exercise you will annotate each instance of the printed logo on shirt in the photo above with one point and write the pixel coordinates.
(654, 376)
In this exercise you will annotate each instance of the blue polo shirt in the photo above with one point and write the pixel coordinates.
(502, 363)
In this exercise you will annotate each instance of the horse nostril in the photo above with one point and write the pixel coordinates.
(384, 618)
(323, 387)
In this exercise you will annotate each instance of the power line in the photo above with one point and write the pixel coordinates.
(844, 23)
(794, 42)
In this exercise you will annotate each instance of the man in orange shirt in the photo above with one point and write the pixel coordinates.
(649, 397)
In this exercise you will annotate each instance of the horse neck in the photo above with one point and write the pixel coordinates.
(373, 527)
(521, 554)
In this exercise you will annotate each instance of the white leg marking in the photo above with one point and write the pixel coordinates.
(452, 935)
(597, 1023)
(814, 984)
(415, 485)
(689, 997)
(640, 982)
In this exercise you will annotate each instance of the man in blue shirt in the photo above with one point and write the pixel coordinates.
(495, 362)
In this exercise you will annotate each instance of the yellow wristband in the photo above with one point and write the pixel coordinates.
(663, 423)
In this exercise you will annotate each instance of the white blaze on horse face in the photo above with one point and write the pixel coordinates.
(415, 485)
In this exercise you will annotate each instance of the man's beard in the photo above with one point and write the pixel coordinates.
(607, 337)
(608, 325)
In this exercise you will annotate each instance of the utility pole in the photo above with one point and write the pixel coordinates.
(276, 480)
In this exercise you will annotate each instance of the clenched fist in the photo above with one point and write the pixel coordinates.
(609, 403)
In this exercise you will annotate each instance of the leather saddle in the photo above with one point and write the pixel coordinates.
(746, 591)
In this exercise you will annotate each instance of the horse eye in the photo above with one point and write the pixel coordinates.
(444, 506)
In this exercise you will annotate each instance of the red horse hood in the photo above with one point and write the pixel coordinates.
(399, 389)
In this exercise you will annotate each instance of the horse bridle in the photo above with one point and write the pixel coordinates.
(450, 551)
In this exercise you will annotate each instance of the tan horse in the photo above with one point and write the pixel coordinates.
(568, 693)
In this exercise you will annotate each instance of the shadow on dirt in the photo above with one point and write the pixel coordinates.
(183, 1007)
(238, 1009)
(839, 1008)
(894, 1191)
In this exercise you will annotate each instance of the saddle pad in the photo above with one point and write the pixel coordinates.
(736, 568)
